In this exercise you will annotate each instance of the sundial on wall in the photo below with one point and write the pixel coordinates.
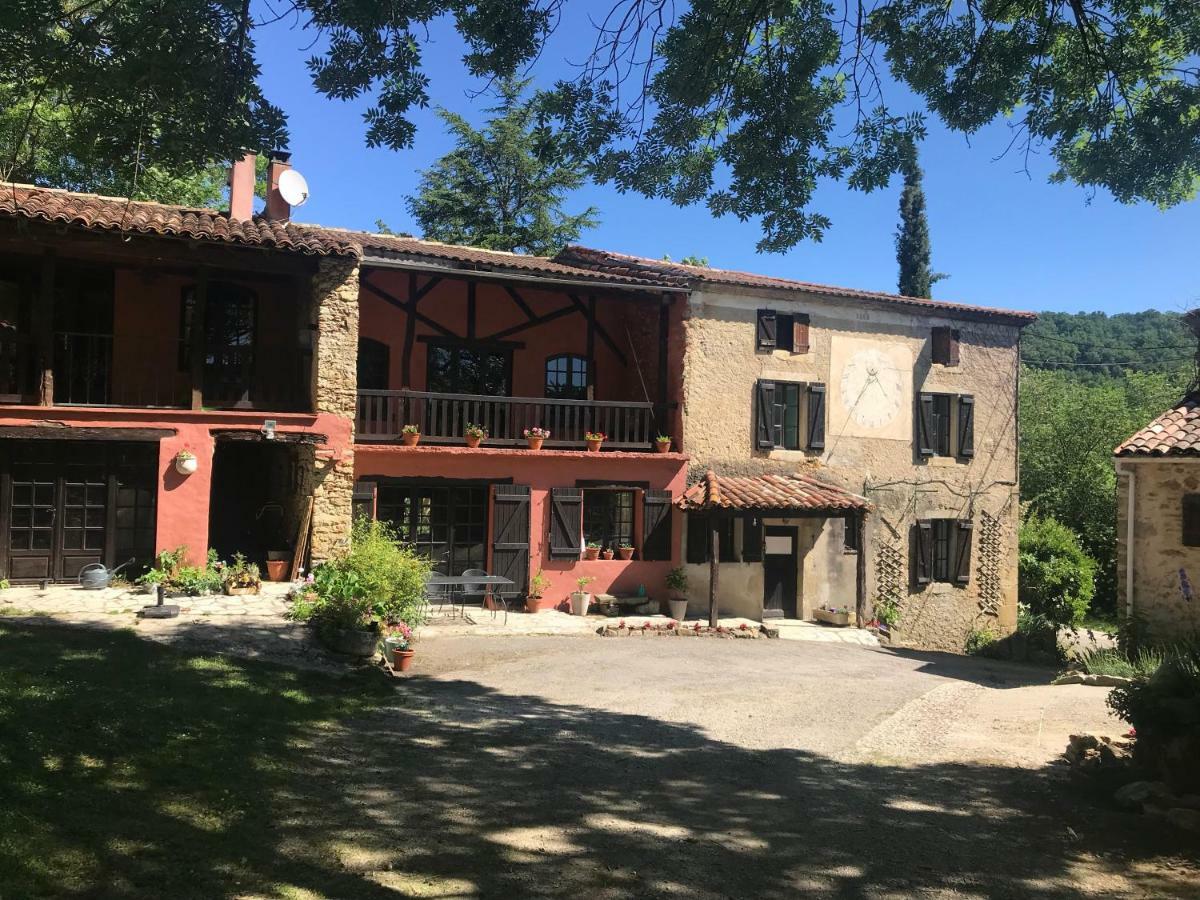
(874, 388)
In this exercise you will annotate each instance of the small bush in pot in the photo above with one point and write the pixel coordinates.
(606, 553)
(474, 435)
(594, 439)
(240, 576)
(410, 435)
(399, 644)
(536, 436)
(677, 585)
(581, 598)
(625, 551)
(537, 587)
(662, 443)
(591, 550)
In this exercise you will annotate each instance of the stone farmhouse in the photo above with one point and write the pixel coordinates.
(215, 379)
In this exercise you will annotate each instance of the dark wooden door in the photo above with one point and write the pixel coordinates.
(779, 572)
(510, 534)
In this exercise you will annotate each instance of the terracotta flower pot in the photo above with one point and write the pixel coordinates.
(535, 443)
(594, 446)
(531, 604)
(277, 569)
(591, 553)
(662, 446)
(231, 591)
(410, 439)
(473, 440)
(402, 659)
(625, 552)
(606, 554)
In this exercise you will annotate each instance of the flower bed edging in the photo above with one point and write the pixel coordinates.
(680, 629)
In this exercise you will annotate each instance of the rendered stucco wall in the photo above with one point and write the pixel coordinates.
(1158, 550)
(720, 370)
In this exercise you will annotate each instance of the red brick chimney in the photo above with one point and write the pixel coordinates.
(278, 209)
(241, 189)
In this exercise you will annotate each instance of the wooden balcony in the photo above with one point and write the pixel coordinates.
(442, 419)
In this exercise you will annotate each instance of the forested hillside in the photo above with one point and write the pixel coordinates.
(1090, 380)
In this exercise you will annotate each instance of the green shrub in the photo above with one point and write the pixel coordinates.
(980, 639)
(1057, 579)
(172, 574)
(1167, 703)
(1109, 661)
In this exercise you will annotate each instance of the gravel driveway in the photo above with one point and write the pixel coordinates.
(670, 767)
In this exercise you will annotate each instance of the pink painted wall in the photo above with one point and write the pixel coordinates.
(543, 470)
(183, 501)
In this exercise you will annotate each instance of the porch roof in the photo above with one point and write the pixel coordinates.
(1174, 433)
(768, 492)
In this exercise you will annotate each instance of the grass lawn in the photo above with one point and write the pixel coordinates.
(134, 770)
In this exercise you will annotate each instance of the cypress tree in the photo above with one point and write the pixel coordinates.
(912, 237)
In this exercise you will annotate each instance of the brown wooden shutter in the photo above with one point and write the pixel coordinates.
(510, 534)
(962, 551)
(945, 346)
(656, 526)
(764, 409)
(925, 435)
(752, 538)
(922, 540)
(816, 417)
(966, 425)
(697, 538)
(766, 329)
(1191, 520)
(566, 522)
(800, 333)
(362, 501)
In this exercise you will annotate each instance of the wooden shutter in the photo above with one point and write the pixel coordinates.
(800, 333)
(945, 346)
(925, 435)
(752, 538)
(966, 425)
(566, 522)
(765, 339)
(816, 417)
(697, 538)
(764, 415)
(362, 501)
(656, 525)
(962, 551)
(922, 539)
(1191, 520)
(510, 533)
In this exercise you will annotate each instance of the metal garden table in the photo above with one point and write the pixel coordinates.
(453, 584)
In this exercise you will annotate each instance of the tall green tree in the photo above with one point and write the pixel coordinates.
(738, 105)
(503, 186)
(912, 237)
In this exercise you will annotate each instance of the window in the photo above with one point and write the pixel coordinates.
(1191, 520)
(230, 314)
(465, 369)
(608, 517)
(790, 416)
(373, 364)
(942, 551)
(850, 536)
(946, 425)
(567, 377)
(699, 539)
(945, 346)
(782, 331)
(446, 524)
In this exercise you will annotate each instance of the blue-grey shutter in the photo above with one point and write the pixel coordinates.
(925, 432)
(510, 534)
(656, 525)
(962, 551)
(922, 540)
(566, 522)
(764, 415)
(966, 425)
(765, 331)
(816, 417)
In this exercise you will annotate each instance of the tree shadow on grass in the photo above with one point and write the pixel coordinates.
(136, 771)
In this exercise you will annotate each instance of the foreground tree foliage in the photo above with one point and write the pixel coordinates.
(502, 186)
(740, 104)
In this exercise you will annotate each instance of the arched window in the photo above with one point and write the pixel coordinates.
(567, 377)
(373, 357)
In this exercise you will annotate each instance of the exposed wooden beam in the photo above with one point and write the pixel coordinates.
(601, 332)
(410, 332)
(400, 304)
(196, 350)
(71, 433)
(255, 435)
(862, 613)
(44, 327)
(664, 334)
(714, 568)
(520, 301)
(591, 347)
(478, 342)
(540, 320)
(471, 310)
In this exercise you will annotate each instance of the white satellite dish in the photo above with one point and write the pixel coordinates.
(292, 187)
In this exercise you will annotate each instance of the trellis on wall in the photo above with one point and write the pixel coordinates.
(989, 563)
(889, 574)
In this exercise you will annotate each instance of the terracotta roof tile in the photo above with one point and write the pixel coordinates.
(689, 276)
(792, 491)
(1175, 433)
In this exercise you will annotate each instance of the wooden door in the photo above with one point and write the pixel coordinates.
(779, 572)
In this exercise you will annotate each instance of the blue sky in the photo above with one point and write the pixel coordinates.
(1006, 239)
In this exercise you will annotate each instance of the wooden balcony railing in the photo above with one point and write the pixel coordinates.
(442, 419)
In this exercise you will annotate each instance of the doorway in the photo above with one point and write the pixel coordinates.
(254, 499)
(779, 572)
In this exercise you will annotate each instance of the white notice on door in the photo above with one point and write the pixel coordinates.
(777, 545)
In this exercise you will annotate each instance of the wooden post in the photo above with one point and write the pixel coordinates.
(859, 524)
(45, 331)
(410, 332)
(714, 563)
(664, 335)
(470, 310)
(197, 336)
(591, 349)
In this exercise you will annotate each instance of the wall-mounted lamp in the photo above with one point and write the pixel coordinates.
(268, 429)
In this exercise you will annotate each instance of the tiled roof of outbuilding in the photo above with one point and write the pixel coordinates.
(1175, 433)
(767, 492)
(684, 275)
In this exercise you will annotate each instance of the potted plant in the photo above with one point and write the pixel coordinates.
(410, 435)
(398, 645)
(474, 434)
(677, 585)
(594, 440)
(535, 436)
(606, 553)
(581, 598)
(662, 443)
(833, 615)
(625, 551)
(278, 564)
(185, 462)
(240, 577)
(591, 550)
(537, 586)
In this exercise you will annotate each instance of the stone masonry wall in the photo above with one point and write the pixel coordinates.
(335, 386)
(720, 370)
(1158, 551)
